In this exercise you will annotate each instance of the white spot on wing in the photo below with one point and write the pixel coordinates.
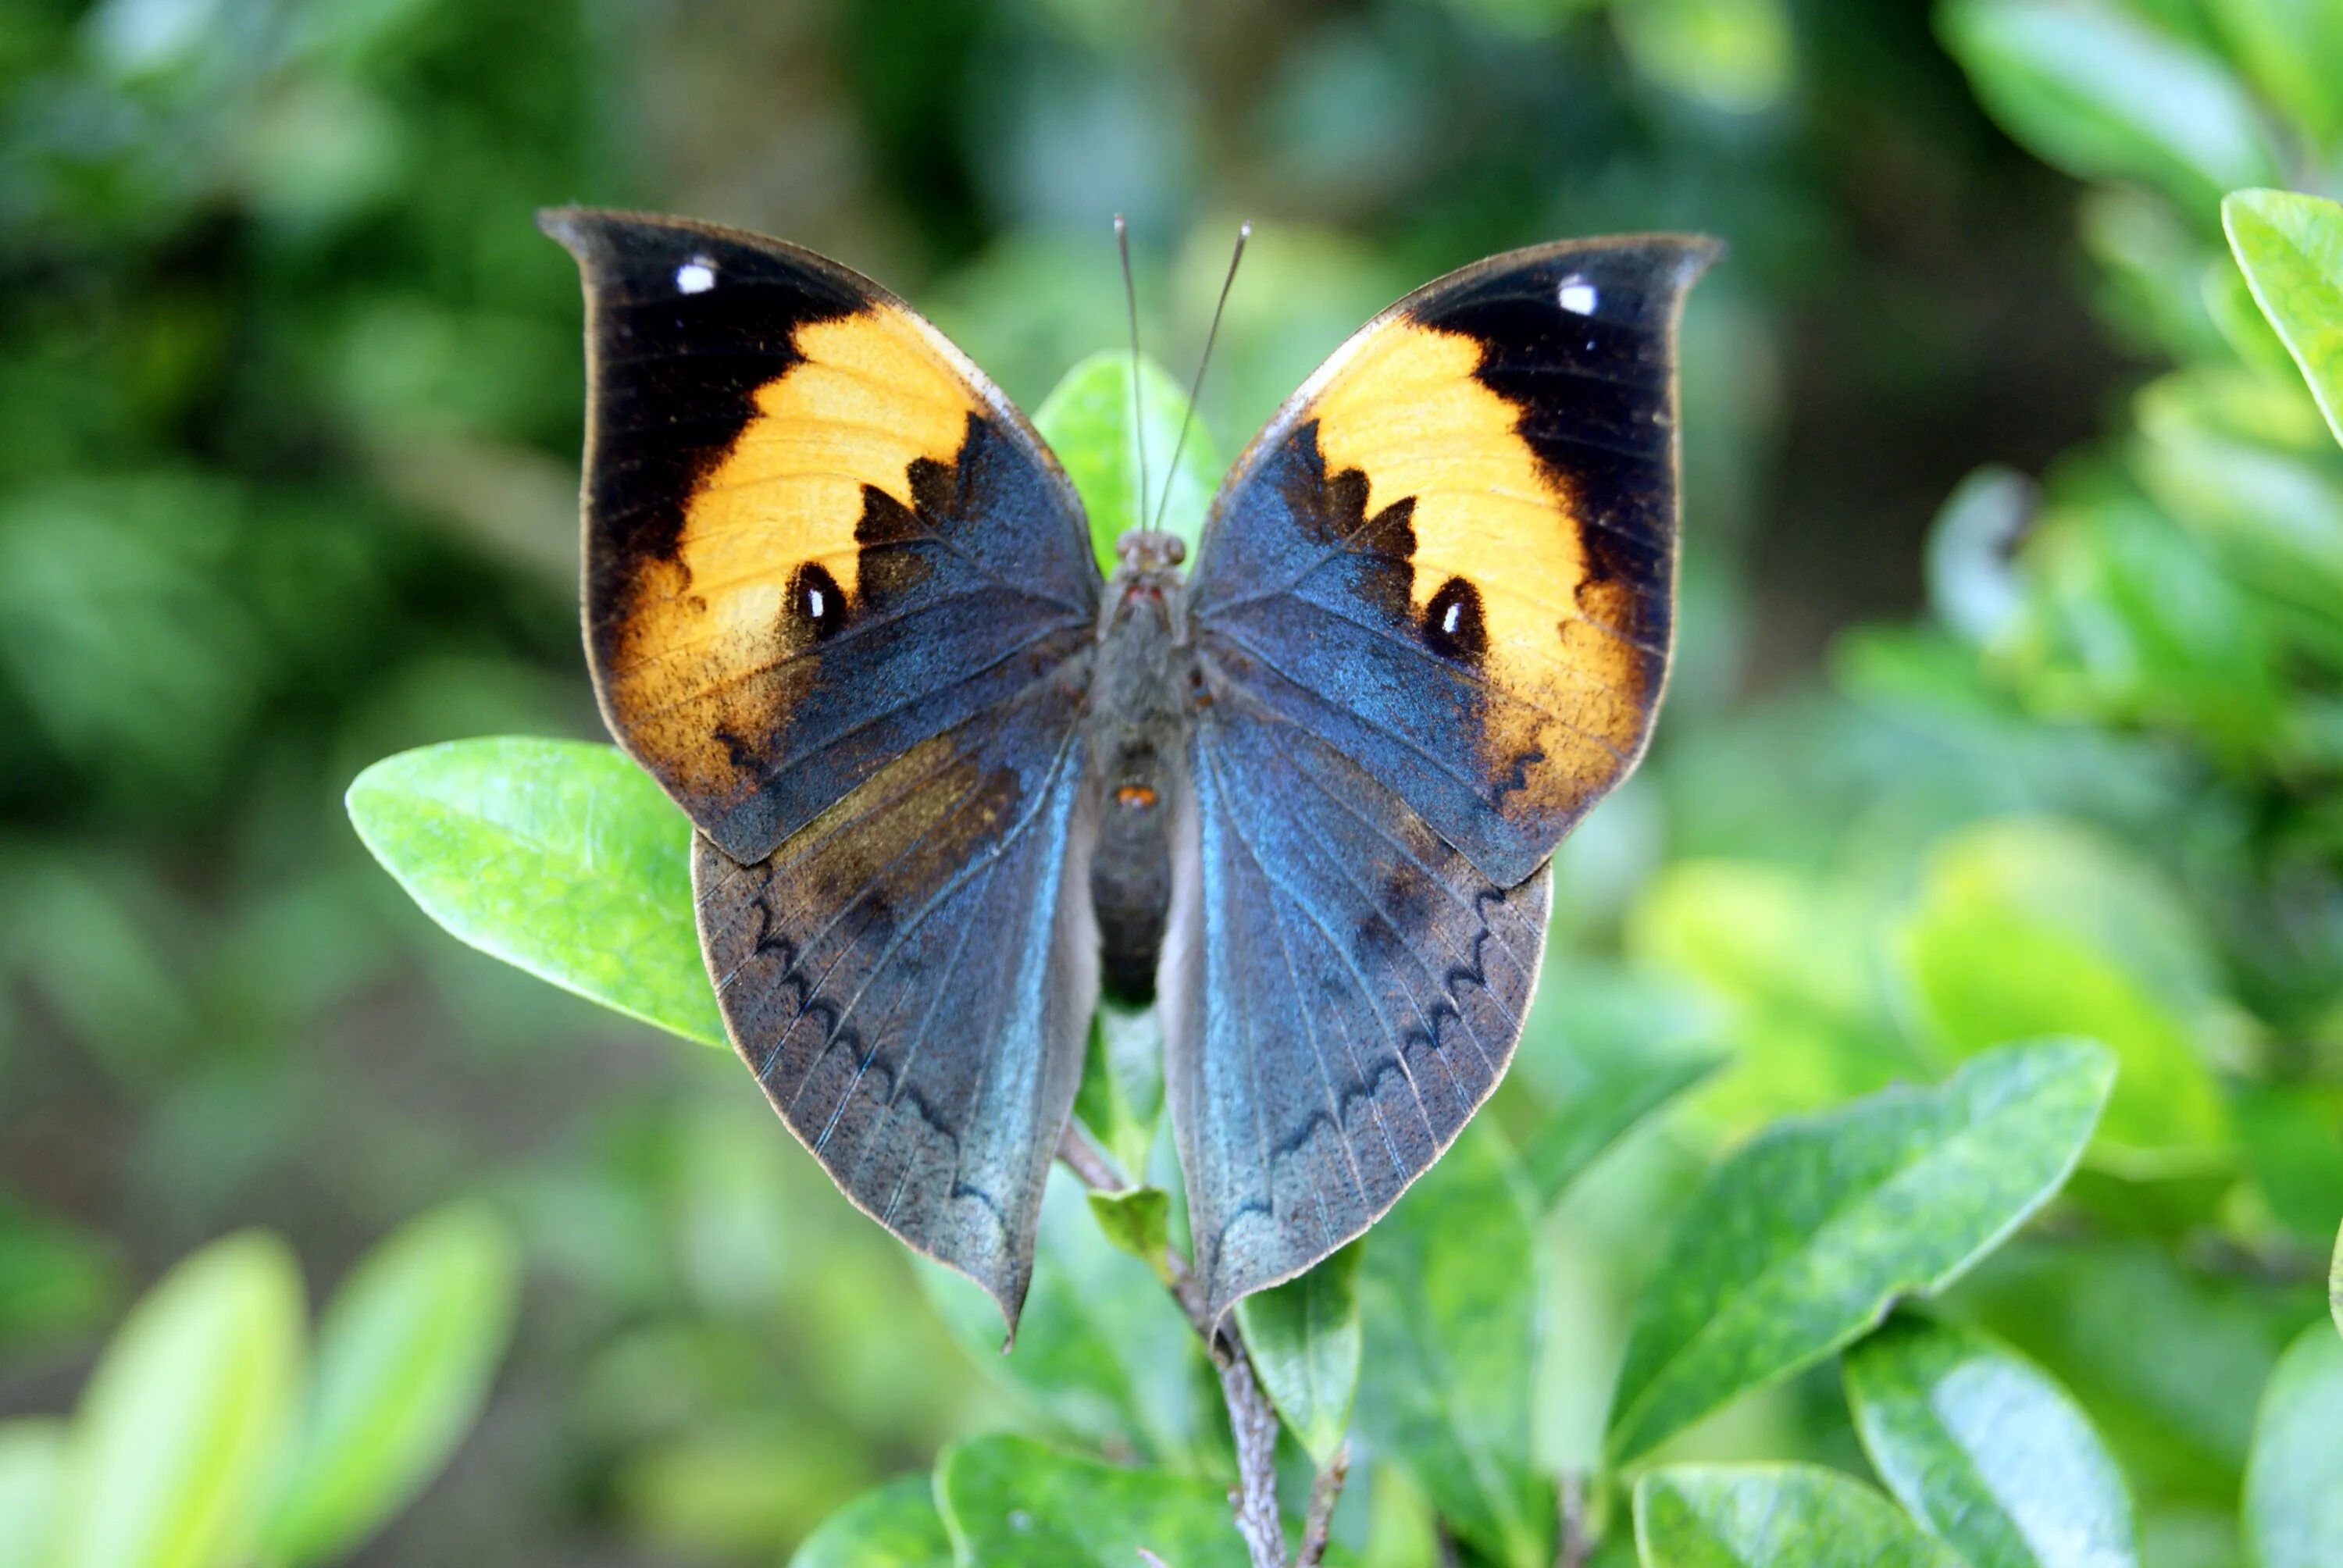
(1448, 621)
(813, 604)
(1577, 296)
(697, 276)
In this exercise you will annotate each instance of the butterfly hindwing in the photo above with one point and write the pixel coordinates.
(816, 536)
(1452, 555)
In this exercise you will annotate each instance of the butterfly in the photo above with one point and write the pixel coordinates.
(949, 783)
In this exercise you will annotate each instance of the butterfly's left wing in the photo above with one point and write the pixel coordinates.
(1432, 614)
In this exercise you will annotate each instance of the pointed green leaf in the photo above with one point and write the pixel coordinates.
(32, 1483)
(1609, 1105)
(556, 856)
(185, 1414)
(405, 1352)
(1802, 1239)
(1120, 1100)
(894, 1524)
(1448, 1305)
(1987, 1452)
(1774, 1516)
(2294, 1482)
(1088, 420)
(1303, 1339)
(1138, 1220)
(2105, 95)
(2291, 248)
(1012, 1503)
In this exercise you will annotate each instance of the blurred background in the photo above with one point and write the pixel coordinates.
(290, 398)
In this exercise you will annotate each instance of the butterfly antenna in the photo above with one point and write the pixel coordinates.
(1187, 417)
(1138, 409)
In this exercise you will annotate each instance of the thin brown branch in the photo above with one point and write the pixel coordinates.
(1087, 1161)
(1570, 1503)
(1318, 1524)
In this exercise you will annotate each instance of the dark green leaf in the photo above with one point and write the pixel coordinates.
(1303, 1338)
(1087, 421)
(32, 1456)
(405, 1352)
(1121, 1096)
(2294, 1482)
(892, 1525)
(1986, 1451)
(1448, 1301)
(1138, 1220)
(1802, 1239)
(2291, 248)
(1774, 1516)
(2104, 95)
(1605, 1110)
(1010, 1503)
(180, 1426)
(2028, 928)
(556, 856)
(55, 1280)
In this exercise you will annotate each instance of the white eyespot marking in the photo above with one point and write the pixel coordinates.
(813, 604)
(1577, 296)
(1456, 612)
(697, 276)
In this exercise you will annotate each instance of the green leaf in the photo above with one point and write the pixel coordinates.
(1987, 1452)
(1448, 1302)
(558, 857)
(1087, 421)
(1611, 1104)
(1120, 1100)
(2026, 928)
(894, 1524)
(2294, 1482)
(2105, 95)
(404, 1355)
(185, 1414)
(55, 1280)
(2335, 1283)
(1101, 1348)
(1730, 54)
(1012, 1503)
(1774, 1516)
(1303, 1337)
(2291, 248)
(2293, 51)
(1800, 1240)
(33, 1455)
(1139, 1221)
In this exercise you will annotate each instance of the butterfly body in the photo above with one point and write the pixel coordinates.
(950, 784)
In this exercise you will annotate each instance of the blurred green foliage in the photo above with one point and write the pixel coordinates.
(289, 395)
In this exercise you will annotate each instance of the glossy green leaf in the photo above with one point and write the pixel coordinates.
(33, 1454)
(1987, 1452)
(2291, 248)
(1802, 1239)
(2294, 1482)
(1012, 1503)
(2025, 929)
(1138, 1220)
(1303, 1337)
(2105, 95)
(1448, 1302)
(1609, 1105)
(556, 856)
(182, 1421)
(1101, 1348)
(1774, 1516)
(1088, 420)
(893, 1525)
(1120, 1100)
(405, 1353)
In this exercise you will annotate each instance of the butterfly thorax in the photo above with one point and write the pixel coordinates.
(1138, 749)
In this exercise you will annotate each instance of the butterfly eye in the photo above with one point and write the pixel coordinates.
(1453, 624)
(817, 605)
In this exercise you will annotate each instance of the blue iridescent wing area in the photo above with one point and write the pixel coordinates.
(839, 601)
(1431, 615)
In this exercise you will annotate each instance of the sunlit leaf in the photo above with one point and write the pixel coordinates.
(1089, 421)
(1138, 1220)
(2291, 248)
(405, 1353)
(556, 856)
(1730, 54)
(2294, 50)
(33, 1455)
(1012, 1503)
(1303, 1337)
(1772, 1516)
(1120, 1100)
(1448, 1301)
(2104, 94)
(185, 1414)
(2294, 1482)
(1985, 1450)
(1802, 1239)
(894, 1524)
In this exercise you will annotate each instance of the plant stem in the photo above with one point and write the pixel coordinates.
(1319, 1522)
